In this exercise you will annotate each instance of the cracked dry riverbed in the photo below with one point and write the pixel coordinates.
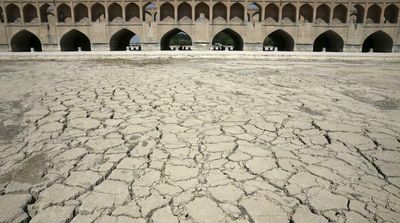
(200, 140)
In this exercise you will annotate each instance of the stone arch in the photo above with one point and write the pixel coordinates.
(330, 40)
(121, 39)
(30, 13)
(280, 39)
(167, 12)
(379, 42)
(358, 13)
(114, 12)
(391, 14)
(149, 12)
(63, 13)
(165, 41)
(230, 37)
(98, 12)
(184, 12)
(81, 13)
(272, 13)
(219, 12)
(24, 40)
(74, 39)
(202, 12)
(306, 13)
(323, 13)
(132, 12)
(237, 12)
(374, 14)
(340, 13)
(13, 13)
(45, 11)
(254, 12)
(289, 13)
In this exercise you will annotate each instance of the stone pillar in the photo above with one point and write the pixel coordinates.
(228, 12)
(314, 12)
(383, 13)
(365, 13)
(72, 12)
(38, 12)
(175, 4)
(332, 6)
(21, 12)
(280, 13)
(262, 12)
(89, 11)
(106, 11)
(245, 18)
(297, 13)
(193, 4)
(211, 12)
(141, 11)
(158, 11)
(123, 12)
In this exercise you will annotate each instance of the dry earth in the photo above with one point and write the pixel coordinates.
(200, 141)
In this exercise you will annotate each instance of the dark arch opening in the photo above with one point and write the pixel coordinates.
(184, 12)
(1, 15)
(74, 39)
(306, 13)
(202, 12)
(114, 12)
(132, 13)
(64, 12)
(323, 13)
(340, 13)
(357, 14)
(329, 40)
(219, 11)
(391, 14)
(45, 11)
(167, 12)
(378, 42)
(228, 37)
(98, 12)
(24, 40)
(272, 12)
(289, 13)
(81, 12)
(237, 12)
(123, 39)
(13, 13)
(374, 14)
(30, 13)
(178, 38)
(280, 39)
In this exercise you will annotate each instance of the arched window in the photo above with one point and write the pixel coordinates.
(167, 12)
(357, 14)
(24, 41)
(228, 37)
(340, 13)
(184, 12)
(73, 40)
(202, 12)
(149, 12)
(289, 13)
(280, 39)
(378, 42)
(272, 13)
(219, 12)
(391, 14)
(323, 14)
(64, 13)
(374, 14)
(330, 41)
(81, 13)
(237, 12)
(45, 11)
(306, 13)
(30, 13)
(13, 13)
(114, 13)
(132, 13)
(254, 12)
(98, 13)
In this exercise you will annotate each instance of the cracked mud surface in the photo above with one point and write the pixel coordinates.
(200, 141)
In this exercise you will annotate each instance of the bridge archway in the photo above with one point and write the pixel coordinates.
(379, 42)
(13, 13)
(306, 13)
(202, 11)
(237, 13)
(281, 39)
(254, 12)
(323, 13)
(98, 12)
(132, 12)
(374, 14)
(114, 12)
(271, 13)
(24, 40)
(167, 12)
(81, 12)
(219, 12)
(74, 39)
(391, 14)
(63, 13)
(330, 40)
(30, 13)
(229, 37)
(358, 13)
(121, 39)
(45, 11)
(175, 37)
(340, 13)
(184, 12)
(289, 13)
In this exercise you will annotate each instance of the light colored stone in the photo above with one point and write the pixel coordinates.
(204, 210)
(12, 207)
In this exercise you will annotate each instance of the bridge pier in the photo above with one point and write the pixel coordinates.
(252, 46)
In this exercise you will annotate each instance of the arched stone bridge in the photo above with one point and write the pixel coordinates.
(109, 25)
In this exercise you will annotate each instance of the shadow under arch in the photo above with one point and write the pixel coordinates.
(24, 40)
(379, 42)
(330, 41)
(280, 39)
(72, 40)
(172, 36)
(229, 37)
(121, 39)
